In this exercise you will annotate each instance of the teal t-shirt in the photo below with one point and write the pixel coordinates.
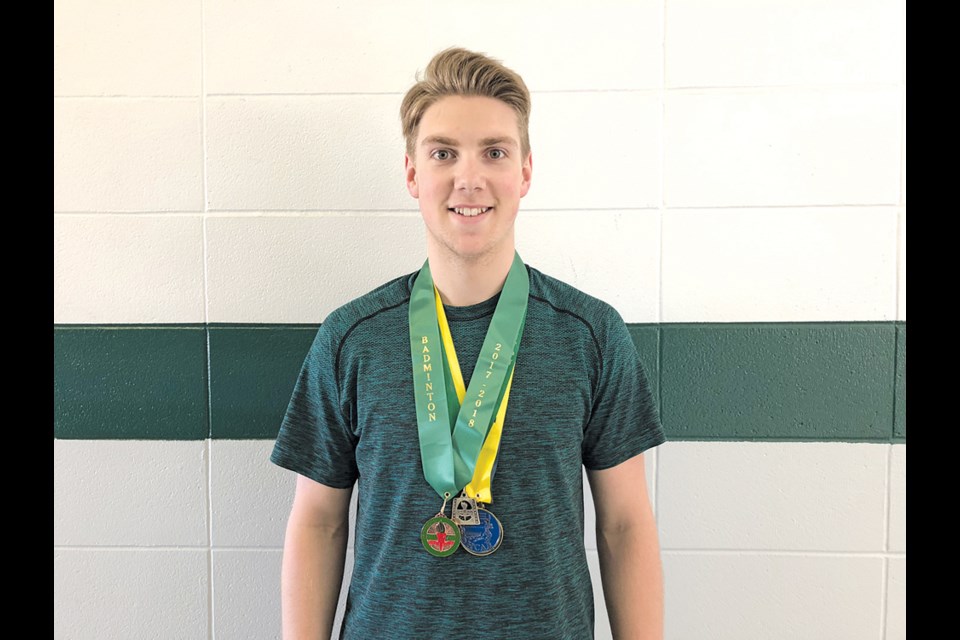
(580, 397)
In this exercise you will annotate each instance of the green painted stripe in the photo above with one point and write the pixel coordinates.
(900, 401)
(252, 373)
(715, 381)
(784, 381)
(646, 337)
(130, 383)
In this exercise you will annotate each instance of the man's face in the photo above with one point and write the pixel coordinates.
(469, 175)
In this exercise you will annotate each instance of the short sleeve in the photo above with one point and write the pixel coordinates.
(625, 420)
(315, 438)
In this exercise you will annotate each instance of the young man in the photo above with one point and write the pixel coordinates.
(550, 382)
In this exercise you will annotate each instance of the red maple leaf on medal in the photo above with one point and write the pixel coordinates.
(440, 543)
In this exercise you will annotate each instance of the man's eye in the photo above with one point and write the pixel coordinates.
(497, 154)
(442, 154)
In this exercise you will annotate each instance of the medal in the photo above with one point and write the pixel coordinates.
(440, 535)
(465, 510)
(460, 428)
(484, 538)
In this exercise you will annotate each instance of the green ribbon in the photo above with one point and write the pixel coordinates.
(452, 435)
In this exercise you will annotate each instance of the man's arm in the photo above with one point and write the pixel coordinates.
(629, 551)
(314, 551)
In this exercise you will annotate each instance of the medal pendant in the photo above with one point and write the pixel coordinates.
(484, 538)
(465, 510)
(440, 536)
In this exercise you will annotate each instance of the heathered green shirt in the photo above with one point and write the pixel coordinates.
(579, 398)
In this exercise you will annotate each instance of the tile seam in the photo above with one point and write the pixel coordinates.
(903, 138)
(881, 555)
(901, 231)
(413, 213)
(121, 96)
(754, 88)
(884, 579)
(129, 547)
(206, 321)
(888, 485)
(896, 364)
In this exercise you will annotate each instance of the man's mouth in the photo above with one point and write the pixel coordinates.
(469, 211)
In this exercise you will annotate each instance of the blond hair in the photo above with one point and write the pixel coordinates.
(458, 72)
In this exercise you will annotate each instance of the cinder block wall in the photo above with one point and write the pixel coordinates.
(729, 175)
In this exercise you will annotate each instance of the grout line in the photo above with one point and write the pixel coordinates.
(788, 553)
(896, 266)
(886, 537)
(885, 570)
(888, 482)
(893, 420)
(662, 207)
(840, 87)
(121, 547)
(847, 88)
(663, 153)
(901, 229)
(412, 213)
(903, 140)
(125, 97)
(209, 549)
(339, 94)
(626, 207)
(884, 580)
(156, 212)
(206, 321)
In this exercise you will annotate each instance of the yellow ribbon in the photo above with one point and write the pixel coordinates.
(479, 487)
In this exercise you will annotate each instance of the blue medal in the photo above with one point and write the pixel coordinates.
(484, 538)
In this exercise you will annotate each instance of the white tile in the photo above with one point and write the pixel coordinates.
(127, 268)
(807, 496)
(732, 597)
(782, 147)
(306, 152)
(896, 599)
(601, 625)
(759, 43)
(127, 155)
(246, 593)
(129, 492)
(310, 47)
(299, 269)
(117, 594)
(902, 267)
(589, 507)
(122, 48)
(626, 273)
(595, 151)
(903, 155)
(779, 265)
(250, 496)
(898, 498)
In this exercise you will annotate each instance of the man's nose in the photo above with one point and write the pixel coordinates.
(469, 175)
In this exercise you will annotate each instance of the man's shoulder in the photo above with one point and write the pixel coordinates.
(565, 298)
(388, 296)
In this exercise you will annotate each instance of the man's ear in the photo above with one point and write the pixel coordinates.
(411, 173)
(526, 171)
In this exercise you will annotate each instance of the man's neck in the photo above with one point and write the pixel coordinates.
(462, 283)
